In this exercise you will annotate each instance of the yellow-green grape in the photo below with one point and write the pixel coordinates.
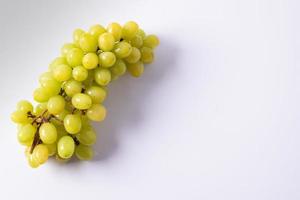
(72, 123)
(137, 41)
(61, 131)
(24, 106)
(81, 101)
(141, 33)
(147, 55)
(134, 56)
(51, 149)
(74, 57)
(41, 95)
(96, 113)
(136, 69)
(88, 43)
(102, 76)
(107, 59)
(19, 117)
(115, 29)
(66, 147)
(40, 108)
(114, 77)
(96, 30)
(77, 35)
(48, 82)
(129, 30)
(97, 94)
(80, 73)
(72, 87)
(87, 136)
(62, 72)
(151, 41)
(106, 42)
(48, 133)
(122, 49)
(119, 68)
(57, 61)
(32, 161)
(83, 152)
(66, 48)
(26, 133)
(40, 153)
(56, 104)
(90, 61)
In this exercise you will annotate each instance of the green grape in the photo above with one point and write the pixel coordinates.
(66, 147)
(80, 73)
(134, 56)
(87, 136)
(56, 104)
(137, 41)
(51, 149)
(48, 133)
(90, 61)
(119, 68)
(40, 153)
(77, 35)
(72, 123)
(136, 69)
(129, 30)
(62, 72)
(151, 41)
(48, 82)
(41, 95)
(83, 152)
(96, 113)
(114, 77)
(72, 87)
(122, 49)
(96, 30)
(40, 108)
(115, 29)
(57, 61)
(24, 106)
(147, 55)
(32, 161)
(107, 59)
(106, 41)
(88, 43)
(81, 101)
(66, 48)
(141, 33)
(97, 94)
(19, 117)
(74, 57)
(26, 133)
(102, 76)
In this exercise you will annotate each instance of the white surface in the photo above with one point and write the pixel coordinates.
(216, 116)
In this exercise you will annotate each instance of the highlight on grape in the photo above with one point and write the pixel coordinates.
(70, 94)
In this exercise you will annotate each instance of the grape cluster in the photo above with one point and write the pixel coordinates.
(71, 92)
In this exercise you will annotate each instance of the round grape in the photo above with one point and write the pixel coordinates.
(96, 113)
(122, 49)
(24, 106)
(129, 30)
(134, 56)
(96, 30)
(56, 104)
(136, 69)
(90, 61)
(40, 153)
(72, 87)
(66, 147)
(80, 73)
(151, 41)
(81, 101)
(119, 68)
(88, 43)
(74, 57)
(26, 133)
(106, 42)
(66, 48)
(62, 72)
(147, 55)
(83, 152)
(77, 35)
(116, 30)
(72, 123)
(107, 59)
(102, 76)
(48, 133)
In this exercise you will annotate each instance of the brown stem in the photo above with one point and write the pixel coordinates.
(36, 139)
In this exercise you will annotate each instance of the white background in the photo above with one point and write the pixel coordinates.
(216, 116)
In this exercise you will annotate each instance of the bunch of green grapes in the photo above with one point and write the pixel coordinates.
(71, 92)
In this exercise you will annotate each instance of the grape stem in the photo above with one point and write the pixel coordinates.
(36, 139)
